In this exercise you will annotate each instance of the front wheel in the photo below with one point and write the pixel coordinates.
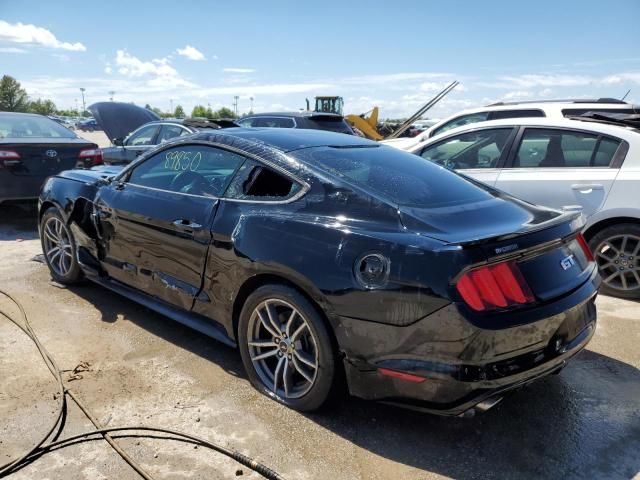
(286, 348)
(617, 251)
(59, 247)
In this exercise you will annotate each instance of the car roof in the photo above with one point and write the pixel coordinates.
(290, 139)
(20, 114)
(300, 114)
(626, 133)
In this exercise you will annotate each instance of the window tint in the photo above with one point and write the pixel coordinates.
(167, 132)
(400, 177)
(563, 148)
(273, 122)
(460, 121)
(501, 114)
(18, 126)
(194, 169)
(480, 149)
(330, 123)
(144, 136)
(255, 181)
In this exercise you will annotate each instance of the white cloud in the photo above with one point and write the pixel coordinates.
(131, 66)
(214, 57)
(238, 70)
(535, 80)
(31, 34)
(630, 77)
(268, 89)
(12, 50)
(191, 53)
(517, 95)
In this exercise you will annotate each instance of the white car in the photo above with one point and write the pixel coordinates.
(557, 109)
(564, 164)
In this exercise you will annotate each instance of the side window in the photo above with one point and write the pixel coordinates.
(501, 114)
(544, 148)
(460, 121)
(193, 169)
(479, 149)
(245, 122)
(144, 136)
(167, 132)
(255, 181)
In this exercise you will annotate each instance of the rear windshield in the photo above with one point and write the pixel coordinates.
(18, 126)
(398, 176)
(332, 124)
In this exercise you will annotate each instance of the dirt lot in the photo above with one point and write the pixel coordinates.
(146, 369)
(99, 138)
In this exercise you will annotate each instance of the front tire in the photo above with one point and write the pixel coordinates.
(59, 247)
(286, 348)
(617, 252)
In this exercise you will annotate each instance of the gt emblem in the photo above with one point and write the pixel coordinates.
(51, 153)
(567, 262)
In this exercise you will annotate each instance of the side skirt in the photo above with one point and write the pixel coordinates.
(192, 320)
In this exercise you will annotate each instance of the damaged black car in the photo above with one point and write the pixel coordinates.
(328, 258)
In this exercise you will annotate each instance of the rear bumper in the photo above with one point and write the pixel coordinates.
(17, 187)
(462, 364)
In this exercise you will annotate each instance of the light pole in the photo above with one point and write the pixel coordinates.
(171, 105)
(83, 104)
(111, 93)
(235, 104)
(76, 105)
(251, 99)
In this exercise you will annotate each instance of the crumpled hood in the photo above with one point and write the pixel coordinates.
(120, 119)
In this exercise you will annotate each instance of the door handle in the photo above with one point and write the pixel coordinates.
(587, 187)
(187, 224)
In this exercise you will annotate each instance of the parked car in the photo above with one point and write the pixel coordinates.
(33, 147)
(311, 120)
(88, 125)
(323, 256)
(555, 109)
(561, 163)
(134, 130)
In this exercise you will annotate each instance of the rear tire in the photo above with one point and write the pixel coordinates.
(617, 252)
(286, 348)
(59, 248)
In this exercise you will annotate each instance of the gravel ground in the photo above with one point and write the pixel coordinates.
(146, 369)
(99, 138)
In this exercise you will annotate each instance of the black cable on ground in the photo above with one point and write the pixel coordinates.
(41, 448)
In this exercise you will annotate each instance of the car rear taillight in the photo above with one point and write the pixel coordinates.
(500, 285)
(585, 247)
(93, 155)
(9, 158)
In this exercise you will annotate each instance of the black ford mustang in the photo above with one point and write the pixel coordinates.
(324, 256)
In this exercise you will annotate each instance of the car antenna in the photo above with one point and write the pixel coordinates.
(625, 95)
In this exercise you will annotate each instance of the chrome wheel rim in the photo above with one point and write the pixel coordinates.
(618, 263)
(57, 246)
(283, 349)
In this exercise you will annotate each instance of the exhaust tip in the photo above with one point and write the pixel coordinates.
(485, 405)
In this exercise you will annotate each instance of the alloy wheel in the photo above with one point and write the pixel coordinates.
(617, 259)
(283, 349)
(57, 246)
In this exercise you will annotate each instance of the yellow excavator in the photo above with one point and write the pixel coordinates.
(369, 125)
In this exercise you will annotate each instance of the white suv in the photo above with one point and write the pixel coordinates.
(503, 110)
(564, 164)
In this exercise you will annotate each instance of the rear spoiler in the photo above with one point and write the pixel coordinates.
(201, 122)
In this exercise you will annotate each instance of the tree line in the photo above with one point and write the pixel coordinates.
(14, 98)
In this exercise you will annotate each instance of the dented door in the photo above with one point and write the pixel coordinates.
(156, 240)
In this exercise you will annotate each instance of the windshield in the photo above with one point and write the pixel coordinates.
(401, 177)
(27, 126)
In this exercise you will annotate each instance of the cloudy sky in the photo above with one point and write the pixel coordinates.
(392, 54)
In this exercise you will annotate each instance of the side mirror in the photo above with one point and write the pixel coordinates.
(118, 142)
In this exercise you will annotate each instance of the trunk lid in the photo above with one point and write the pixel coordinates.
(43, 157)
(542, 242)
(120, 119)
